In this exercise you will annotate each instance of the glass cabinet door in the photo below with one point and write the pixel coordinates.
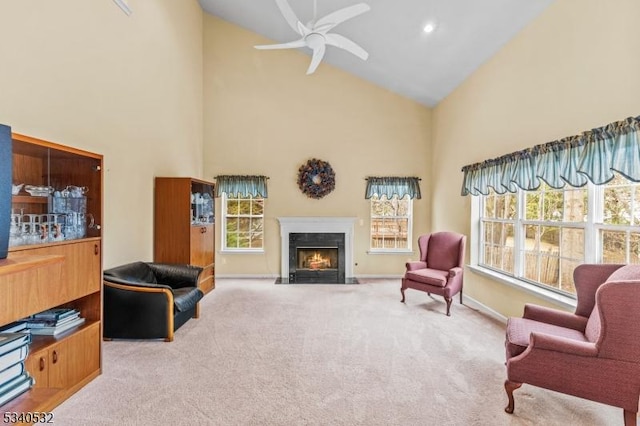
(56, 193)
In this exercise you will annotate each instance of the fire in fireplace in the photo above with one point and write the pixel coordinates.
(316, 258)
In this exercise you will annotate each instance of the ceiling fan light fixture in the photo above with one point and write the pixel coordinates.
(122, 4)
(314, 40)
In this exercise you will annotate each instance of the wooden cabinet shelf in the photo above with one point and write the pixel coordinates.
(28, 199)
(17, 264)
(41, 342)
(63, 273)
(184, 225)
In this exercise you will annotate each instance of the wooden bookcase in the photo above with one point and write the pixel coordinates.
(184, 228)
(63, 273)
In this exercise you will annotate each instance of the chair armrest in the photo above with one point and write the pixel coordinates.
(415, 264)
(562, 344)
(176, 276)
(455, 271)
(137, 311)
(554, 317)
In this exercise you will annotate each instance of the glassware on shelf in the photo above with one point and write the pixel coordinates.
(31, 228)
(16, 187)
(71, 205)
(15, 230)
(207, 208)
(67, 217)
(38, 190)
(31, 233)
(76, 225)
(201, 208)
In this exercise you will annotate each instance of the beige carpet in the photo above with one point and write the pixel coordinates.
(266, 354)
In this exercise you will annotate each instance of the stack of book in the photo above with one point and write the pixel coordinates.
(14, 379)
(53, 321)
(15, 327)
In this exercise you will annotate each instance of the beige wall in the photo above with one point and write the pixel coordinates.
(574, 68)
(84, 74)
(264, 115)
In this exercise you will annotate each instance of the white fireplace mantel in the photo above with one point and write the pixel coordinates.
(323, 224)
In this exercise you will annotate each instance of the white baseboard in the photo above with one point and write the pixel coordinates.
(248, 276)
(275, 276)
(378, 276)
(473, 303)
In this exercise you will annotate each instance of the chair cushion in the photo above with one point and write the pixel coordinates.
(428, 276)
(519, 330)
(186, 298)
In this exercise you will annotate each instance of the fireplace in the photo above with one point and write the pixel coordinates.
(316, 258)
(323, 250)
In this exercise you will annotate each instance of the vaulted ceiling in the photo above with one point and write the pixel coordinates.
(402, 58)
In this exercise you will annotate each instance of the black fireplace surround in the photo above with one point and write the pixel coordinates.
(316, 258)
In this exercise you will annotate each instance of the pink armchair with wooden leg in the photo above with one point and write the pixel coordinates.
(440, 268)
(593, 353)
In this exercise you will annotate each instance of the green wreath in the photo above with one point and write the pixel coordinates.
(316, 178)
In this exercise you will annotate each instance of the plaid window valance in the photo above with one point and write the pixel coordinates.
(593, 155)
(241, 186)
(393, 185)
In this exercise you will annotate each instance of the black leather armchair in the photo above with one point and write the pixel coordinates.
(145, 300)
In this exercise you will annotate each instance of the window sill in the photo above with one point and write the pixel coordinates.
(548, 295)
(245, 251)
(402, 251)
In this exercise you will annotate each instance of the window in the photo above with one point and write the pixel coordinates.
(498, 224)
(541, 236)
(619, 229)
(391, 222)
(243, 223)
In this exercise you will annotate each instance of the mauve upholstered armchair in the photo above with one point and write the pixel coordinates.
(440, 268)
(593, 353)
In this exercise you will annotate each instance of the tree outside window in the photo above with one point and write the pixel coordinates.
(243, 223)
(541, 236)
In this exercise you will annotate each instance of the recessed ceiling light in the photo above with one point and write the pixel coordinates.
(429, 28)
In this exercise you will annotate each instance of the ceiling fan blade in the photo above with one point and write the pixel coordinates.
(302, 30)
(342, 15)
(344, 43)
(318, 53)
(289, 45)
(322, 28)
(289, 15)
(122, 4)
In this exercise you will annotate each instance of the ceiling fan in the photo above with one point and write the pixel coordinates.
(315, 34)
(122, 4)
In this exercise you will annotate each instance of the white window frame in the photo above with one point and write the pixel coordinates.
(409, 217)
(223, 229)
(592, 226)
